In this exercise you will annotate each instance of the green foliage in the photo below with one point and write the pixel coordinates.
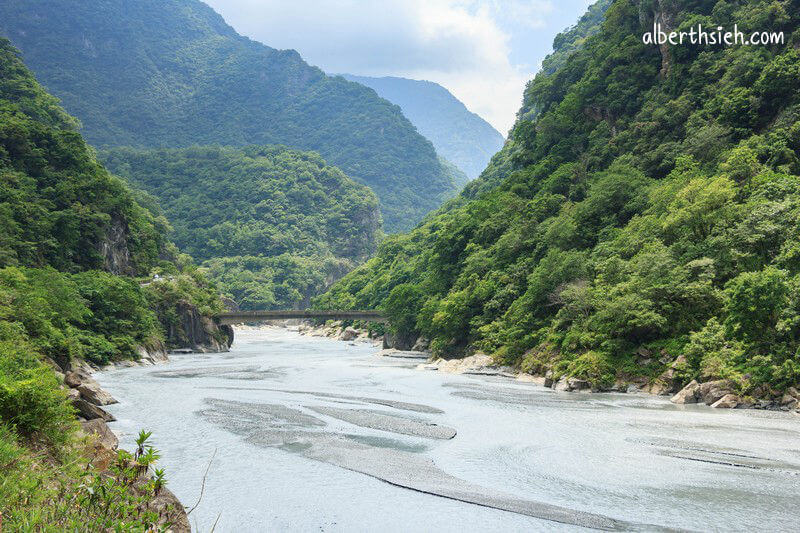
(172, 73)
(64, 494)
(58, 206)
(638, 203)
(275, 226)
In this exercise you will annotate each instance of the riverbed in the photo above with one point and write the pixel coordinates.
(294, 433)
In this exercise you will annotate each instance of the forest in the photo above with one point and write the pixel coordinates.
(274, 226)
(77, 256)
(172, 73)
(647, 202)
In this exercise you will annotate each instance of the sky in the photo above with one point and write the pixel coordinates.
(483, 51)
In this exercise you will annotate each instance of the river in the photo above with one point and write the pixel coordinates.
(311, 434)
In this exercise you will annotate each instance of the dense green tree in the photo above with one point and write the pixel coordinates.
(647, 198)
(171, 73)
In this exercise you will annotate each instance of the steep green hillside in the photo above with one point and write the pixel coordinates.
(71, 239)
(648, 199)
(171, 73)
(283, 223)
(461, 137)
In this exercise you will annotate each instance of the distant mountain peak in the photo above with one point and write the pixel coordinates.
(459, 135)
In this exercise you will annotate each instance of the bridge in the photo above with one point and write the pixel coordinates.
(238, 317)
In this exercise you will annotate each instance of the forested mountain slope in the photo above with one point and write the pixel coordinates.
(460, 136)
(171, 73)
(76, 254)
(648, 201)
(278, 225)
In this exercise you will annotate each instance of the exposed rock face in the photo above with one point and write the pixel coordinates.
(114, 248)
(197, 332)
(689, 394)
(153, 355)
(421, 345)
(168, 505)
(398, 342)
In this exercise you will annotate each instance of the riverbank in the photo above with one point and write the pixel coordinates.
(719, 394)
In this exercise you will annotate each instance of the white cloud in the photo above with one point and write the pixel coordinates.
(457, 43)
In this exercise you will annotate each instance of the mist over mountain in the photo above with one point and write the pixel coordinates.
(172, 73)
(460, 136)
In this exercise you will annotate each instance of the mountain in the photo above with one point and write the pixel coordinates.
(76, 256)
(640, 225)
(282, 223)
(171, 73)
(460, 136)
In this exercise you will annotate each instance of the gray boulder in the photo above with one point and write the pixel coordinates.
(689, 394)
(729, 401)
(103, 435)
(92, 392)
(90, 411)
(711, 391)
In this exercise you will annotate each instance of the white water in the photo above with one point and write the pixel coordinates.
(304, 431)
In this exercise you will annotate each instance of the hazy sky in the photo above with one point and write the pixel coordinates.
(483, 51)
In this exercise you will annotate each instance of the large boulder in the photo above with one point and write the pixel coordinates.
(72, 379)
(348, 334)
(103, 436)
(92, 392)
(90, 411)
(689, 394)
(711, 391)
(729, 401)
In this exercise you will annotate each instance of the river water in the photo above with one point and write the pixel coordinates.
(310, 434)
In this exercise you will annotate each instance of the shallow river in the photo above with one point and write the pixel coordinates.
(310, 434)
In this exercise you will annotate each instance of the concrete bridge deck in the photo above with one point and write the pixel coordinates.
(238, 317)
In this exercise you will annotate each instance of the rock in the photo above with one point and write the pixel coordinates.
(348, 334)
(103, 435)
(789, 401)
(165, 504)
(72, 379)
(578, 384)
(644, 352)
(421, 345)
(561, 385)
(659, 388)
(632, 388)
(729, 401)
(90, 411)
(711, 391)
(689, 394)
(153, 355)
(73, 394)
(92, 392)
(548, 378)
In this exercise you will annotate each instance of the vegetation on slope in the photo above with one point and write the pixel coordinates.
(642, 201)
(69, 232)
(171, 73)
(276, 226)
(461, 137)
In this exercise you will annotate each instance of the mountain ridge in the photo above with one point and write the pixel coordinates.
(462, 137)
(173, 74)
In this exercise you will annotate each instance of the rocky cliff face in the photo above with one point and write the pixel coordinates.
(196, 332)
